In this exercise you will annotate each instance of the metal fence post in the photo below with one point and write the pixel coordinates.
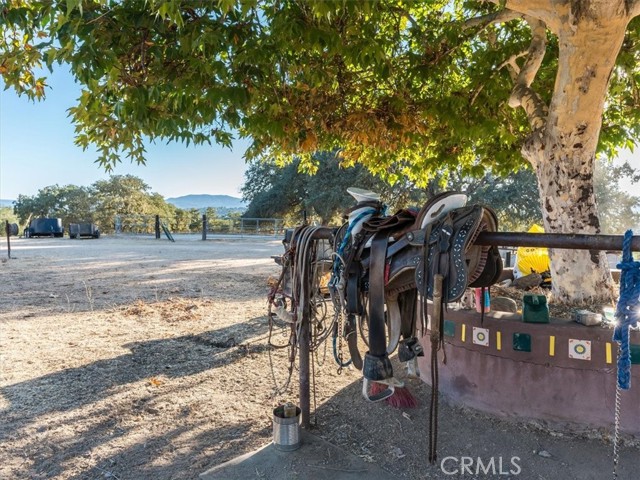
(204, 226)
(7, 230)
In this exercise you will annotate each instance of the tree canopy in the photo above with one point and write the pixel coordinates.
(283, 191)
(406, 88)
(98, 203)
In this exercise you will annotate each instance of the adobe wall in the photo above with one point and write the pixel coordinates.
(562, 372)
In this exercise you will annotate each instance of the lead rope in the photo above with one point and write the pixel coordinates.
(627, 315)
(616, 434)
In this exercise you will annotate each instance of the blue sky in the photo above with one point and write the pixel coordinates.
(37, 150)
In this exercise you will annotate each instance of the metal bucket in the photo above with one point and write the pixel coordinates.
(286, 429)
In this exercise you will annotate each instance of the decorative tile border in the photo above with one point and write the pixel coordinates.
(600, 351)
(580, 349)
(481, 336)
(522, 342)
(449, 328)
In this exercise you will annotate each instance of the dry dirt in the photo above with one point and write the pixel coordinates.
(136, 358)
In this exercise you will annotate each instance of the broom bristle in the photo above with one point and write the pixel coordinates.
(401, 398)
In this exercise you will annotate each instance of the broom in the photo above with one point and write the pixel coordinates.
(401, 398)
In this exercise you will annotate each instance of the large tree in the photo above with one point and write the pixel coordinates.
(284, 191)
(407, 88)
(127, 195)
(71, 203)
(99, 203)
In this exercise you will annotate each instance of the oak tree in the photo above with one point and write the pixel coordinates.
(407, 88)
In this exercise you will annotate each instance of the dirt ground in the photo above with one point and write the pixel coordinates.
(136, 358)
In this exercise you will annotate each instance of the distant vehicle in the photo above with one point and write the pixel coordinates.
(44, 227)
(77, 230)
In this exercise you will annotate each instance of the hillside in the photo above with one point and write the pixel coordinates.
(204, 201)
(6, 203)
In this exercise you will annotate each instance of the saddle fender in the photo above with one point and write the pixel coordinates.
(449, 251)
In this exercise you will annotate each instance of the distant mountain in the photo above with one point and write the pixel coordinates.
(6, 203)
(204, 201)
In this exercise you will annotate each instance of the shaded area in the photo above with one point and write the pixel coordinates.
(397, 441)
(316, 458)
(114, 403)
(172, 357)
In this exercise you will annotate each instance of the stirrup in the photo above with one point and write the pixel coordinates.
(413, 370)
(391, 384)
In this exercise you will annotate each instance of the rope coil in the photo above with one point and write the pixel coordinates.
(627, 310)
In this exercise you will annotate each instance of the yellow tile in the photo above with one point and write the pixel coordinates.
(608, 352)
(499, 340)
(552, 345)
(464, 332)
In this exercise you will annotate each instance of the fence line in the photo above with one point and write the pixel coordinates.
(150, 224)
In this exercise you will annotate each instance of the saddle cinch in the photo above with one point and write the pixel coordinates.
(400, 255)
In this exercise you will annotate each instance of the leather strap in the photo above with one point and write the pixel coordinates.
(377, 340)
(436, 342)
(354, 305)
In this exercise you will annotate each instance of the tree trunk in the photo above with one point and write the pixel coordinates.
(563, 152)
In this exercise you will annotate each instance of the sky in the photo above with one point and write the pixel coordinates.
(37, 150)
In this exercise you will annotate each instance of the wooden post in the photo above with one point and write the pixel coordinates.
(204, 226)
(305, 358)
(303, 349)
(157, 227)
(7, 229)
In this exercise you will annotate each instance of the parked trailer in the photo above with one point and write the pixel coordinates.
(77, 230)
(44, 227)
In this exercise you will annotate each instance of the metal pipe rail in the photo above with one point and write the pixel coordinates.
(557, 240)
(504, 239)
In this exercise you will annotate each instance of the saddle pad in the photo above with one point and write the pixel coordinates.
(393, 224)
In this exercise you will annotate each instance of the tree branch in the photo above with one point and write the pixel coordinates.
(403, 12)
(523, 95)
(633, 7)
(513, 68)
(501, 16)
(544, 10)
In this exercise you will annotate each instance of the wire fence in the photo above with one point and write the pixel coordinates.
(152, 224)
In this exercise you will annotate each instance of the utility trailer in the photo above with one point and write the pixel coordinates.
(77, 230)
(44, 227)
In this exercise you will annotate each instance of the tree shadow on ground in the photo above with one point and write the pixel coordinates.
(398, 441)
(171, 357)
(394, 439)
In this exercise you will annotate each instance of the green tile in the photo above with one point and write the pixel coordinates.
(449, 328)
(522, 342)
(635, 354)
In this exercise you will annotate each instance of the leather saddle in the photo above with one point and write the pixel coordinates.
(391, 256)
(445, 246)
(448, 249)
